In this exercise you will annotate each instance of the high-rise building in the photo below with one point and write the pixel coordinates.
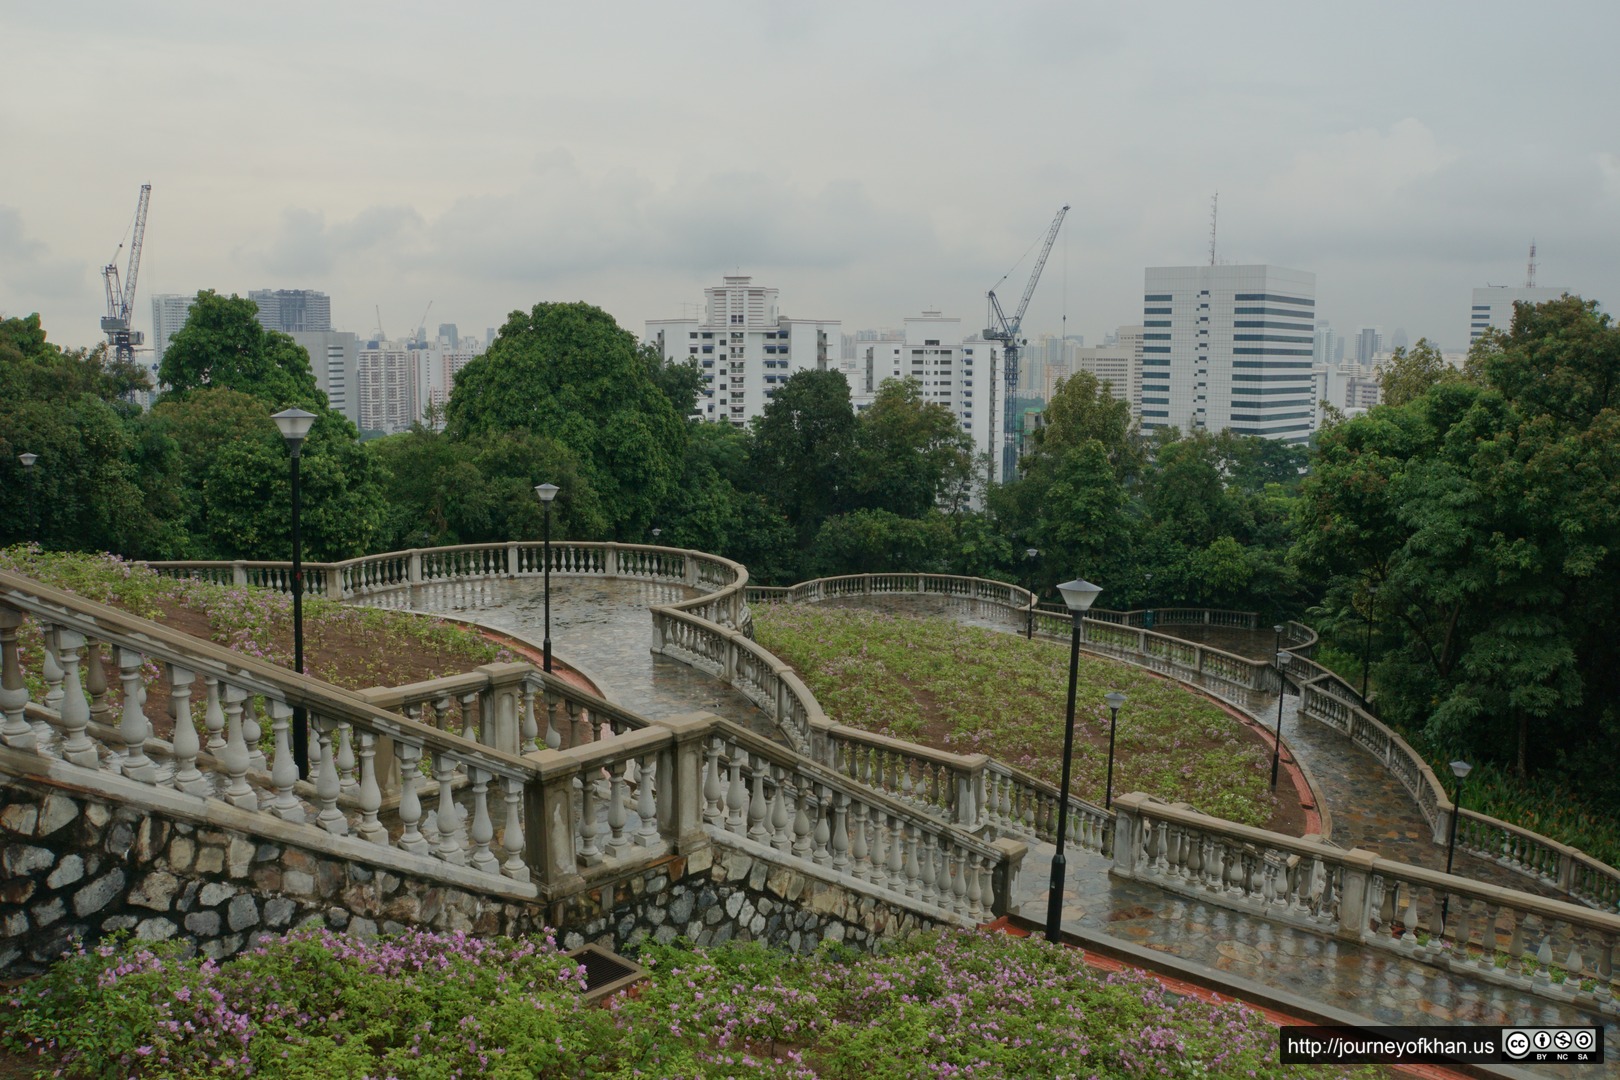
(959, 373)
(334, 356)
(745, 346)
(387, 385)
(1229, 347)
(448, 331)
(169, 311)
(1369, 343)
(287, 310)
(1493, 307)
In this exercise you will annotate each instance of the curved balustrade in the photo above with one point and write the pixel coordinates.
(246, 761)
(1555, 949)
(722, 581)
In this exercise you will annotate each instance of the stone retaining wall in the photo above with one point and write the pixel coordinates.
(76, 869)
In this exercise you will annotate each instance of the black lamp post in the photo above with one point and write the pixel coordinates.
(295, 425)
(1029, 630)
(1459, 769)
(28, 468)
(1366, 648)
(1079, 595)
(1115, 699)
(1276, 749)
(547, 492)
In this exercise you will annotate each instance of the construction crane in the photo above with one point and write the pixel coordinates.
(421, 325)
(121, 298)
(1006, 331)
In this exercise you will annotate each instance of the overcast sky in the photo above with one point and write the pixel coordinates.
(869, 159)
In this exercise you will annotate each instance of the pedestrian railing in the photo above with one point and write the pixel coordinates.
(1556, 949)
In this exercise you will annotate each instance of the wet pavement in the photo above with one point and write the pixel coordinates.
(1383, 987)
(600, 625)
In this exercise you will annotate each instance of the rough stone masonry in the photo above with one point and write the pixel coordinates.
(74, 869)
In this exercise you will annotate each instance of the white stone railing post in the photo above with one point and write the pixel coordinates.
(1355, 893)
(17, 733)
(239, 574)
(413, 567)
(1128, 836)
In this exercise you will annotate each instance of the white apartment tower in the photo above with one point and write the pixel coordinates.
(745, 346)
(959, 373)
(1229, 347)
(1493, 307)
(290, 310)
(387, 394)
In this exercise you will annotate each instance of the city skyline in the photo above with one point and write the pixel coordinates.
(856, 158)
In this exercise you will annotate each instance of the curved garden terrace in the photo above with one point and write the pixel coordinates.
(523, 787)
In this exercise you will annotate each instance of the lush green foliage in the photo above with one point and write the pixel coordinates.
(569, 373)
(432, 1006)
(224, 346)
(973, 690)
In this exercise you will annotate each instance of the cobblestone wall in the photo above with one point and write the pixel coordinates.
(76, 869)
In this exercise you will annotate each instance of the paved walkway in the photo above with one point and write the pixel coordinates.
(1383, 987)
(599, 624)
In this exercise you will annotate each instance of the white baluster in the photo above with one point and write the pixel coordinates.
(822, 854)
(449, 823)
(617, 793)
(975, 891)
(859, 849)
(894, 843)
(802, 825)
(589, 853)
(512, 840)
(213, 716)
(840, 834)
(348, 780)
(283, 770)
(736, 795)
(51, 669)
(930, 878)
(757, 808)
(912, 870)
(17, 733)
(251, 734)
(134, 727)
(235, 756)
(713, 810)
(370, 793)
(646, 803)
(781, 835)
(483, 830)
(530, 732)
(74, 710)
(553, 739)
(186, 776)
(958, 866)
(409, 755)
(327, 785)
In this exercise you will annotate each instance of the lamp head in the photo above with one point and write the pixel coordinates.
(1461, 769)
(1278, 628)
(1079, 594)
(1031, 553)
(28, 460)
(657, 533)
(547, 492)
(294, 425)
(1115, 699)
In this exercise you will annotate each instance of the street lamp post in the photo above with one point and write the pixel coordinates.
(1459, 769)
(1276, 749)
(547, 492)
(1078, 595)
(28, 467)
(1029, 629)
(656, 533)
(295, 425)
(1115, 699)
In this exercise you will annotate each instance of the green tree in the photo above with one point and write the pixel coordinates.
(803, 450)
(680, 380)
(1409, 375)
(223, 346)
(569, 373)
(910, 454)
(69, 408)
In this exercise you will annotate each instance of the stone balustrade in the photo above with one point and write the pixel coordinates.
(722, 581)
(1556, 949)
(504, 771)
(246, 759)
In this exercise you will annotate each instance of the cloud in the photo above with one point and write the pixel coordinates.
(305, 245)
(28, 273)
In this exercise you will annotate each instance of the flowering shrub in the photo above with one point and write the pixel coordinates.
(973, 690)
(316, 1004)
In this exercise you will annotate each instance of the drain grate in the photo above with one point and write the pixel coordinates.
(605, 972)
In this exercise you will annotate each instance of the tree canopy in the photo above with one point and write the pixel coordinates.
(222, 346)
